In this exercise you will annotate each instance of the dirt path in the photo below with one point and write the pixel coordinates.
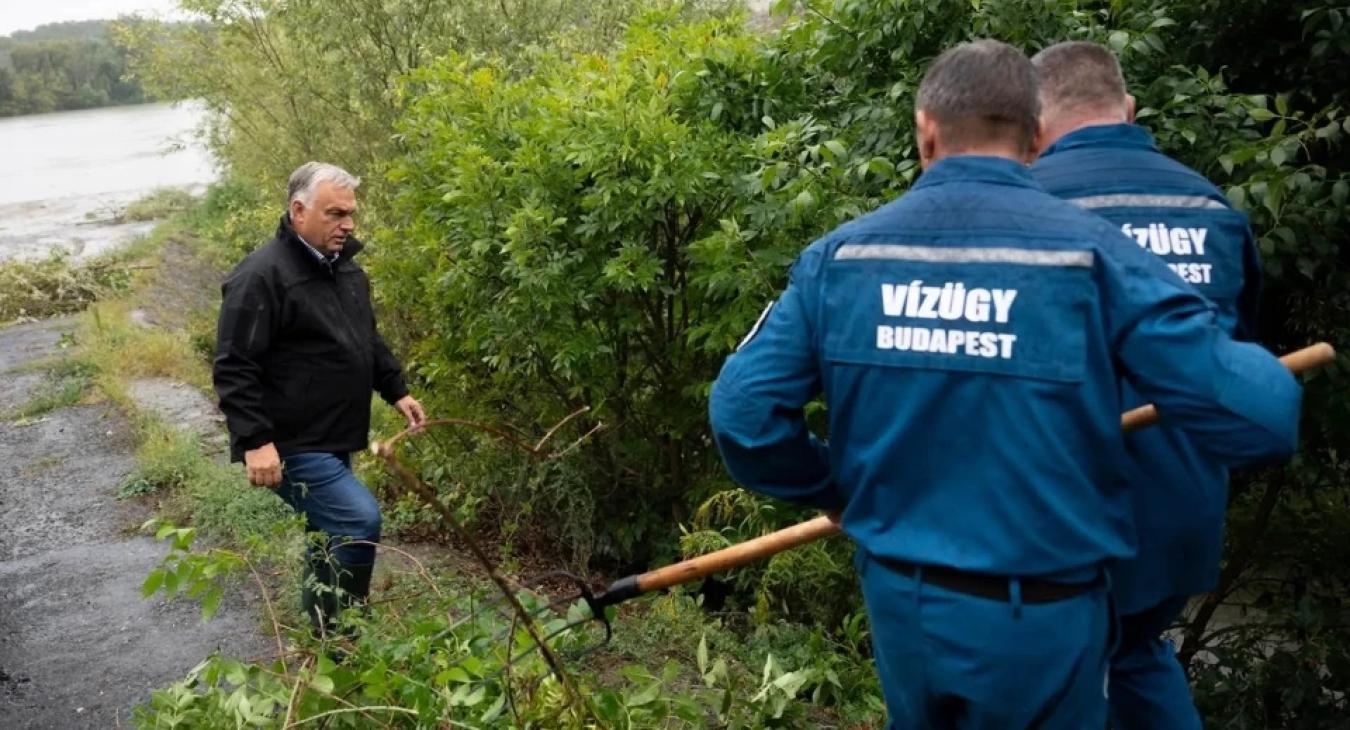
(78, 646)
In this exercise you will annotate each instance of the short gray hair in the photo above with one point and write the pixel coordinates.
(982, 91)
(306, 178)
(1079, 77)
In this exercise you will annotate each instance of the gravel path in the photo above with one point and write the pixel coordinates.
(79, 648)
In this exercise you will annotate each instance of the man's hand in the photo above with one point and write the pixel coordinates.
(264, 466)
(411, 410)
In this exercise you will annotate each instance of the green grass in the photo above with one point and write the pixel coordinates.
(57, 394)
(197, 490)
(121, 350)
(158, 205)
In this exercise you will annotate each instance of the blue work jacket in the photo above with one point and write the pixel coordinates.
(1180, 492)
(969, 339)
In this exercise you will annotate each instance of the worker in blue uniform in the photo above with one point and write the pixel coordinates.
(1102, 162)
(969, 339)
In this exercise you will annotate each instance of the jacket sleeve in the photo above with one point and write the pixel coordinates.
(1237, 401)
(757, 405)
(244, 334)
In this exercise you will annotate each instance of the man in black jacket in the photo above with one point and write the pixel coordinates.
(297, 357)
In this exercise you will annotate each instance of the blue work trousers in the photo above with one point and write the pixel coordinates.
(951, 660)
(1148, 685)
(322, 487)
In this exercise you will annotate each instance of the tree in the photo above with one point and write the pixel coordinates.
(64, 66)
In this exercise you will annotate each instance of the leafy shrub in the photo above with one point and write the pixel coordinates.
(33, 289)
(234, 218)
(577, 250)
(814, 583)
(157, 205)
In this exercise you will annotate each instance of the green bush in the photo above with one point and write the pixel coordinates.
(599, 233)
(33, 289)
(158, 205)
(554, 250)
(547, 260)
(232, 219)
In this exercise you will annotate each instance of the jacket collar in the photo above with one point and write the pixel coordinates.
(976, 168)
(1109, 136)
(286, 232)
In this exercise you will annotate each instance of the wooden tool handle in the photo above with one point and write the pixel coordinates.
(742, 553)
(1298, 361)
(821, 527)
(1310, 357)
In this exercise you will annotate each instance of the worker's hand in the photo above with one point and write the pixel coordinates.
(264, 466)
(411, 410)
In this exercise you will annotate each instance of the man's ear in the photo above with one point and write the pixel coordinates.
(926, 138)
(1037, 141)
(297, 209)
(1129, 108)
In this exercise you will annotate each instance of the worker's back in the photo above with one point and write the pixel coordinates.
(1180, 493)
(966, 337)
(969, 339)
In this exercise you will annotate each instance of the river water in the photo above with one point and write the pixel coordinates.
(64, 177)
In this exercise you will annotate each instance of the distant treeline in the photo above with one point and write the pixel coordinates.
(63, 66)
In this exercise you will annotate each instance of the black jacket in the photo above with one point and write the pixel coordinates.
(297, 350)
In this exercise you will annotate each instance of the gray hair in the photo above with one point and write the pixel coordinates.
(982, 91)
(1079, 77)
(307, 177)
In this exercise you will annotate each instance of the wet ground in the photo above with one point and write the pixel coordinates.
(79, 648)
(77, 226)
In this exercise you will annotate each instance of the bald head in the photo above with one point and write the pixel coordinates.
(1080, 85)
(977, 98)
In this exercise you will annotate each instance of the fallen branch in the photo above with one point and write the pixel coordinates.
(386, 451)
(271, 614)
(421, 569)
(295, 693)
(363, 710)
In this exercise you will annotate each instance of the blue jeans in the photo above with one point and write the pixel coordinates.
(1148, 684)
(322, 487)
(950, 660)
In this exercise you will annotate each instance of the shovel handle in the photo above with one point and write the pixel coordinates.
(742, 553)
(762, 547)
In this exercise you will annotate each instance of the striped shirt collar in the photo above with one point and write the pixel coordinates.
(327, 260)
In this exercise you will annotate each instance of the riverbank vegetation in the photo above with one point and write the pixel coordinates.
(54, 286)
(62, 66)
(157, 205)
(586, 204)
(64, 284)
